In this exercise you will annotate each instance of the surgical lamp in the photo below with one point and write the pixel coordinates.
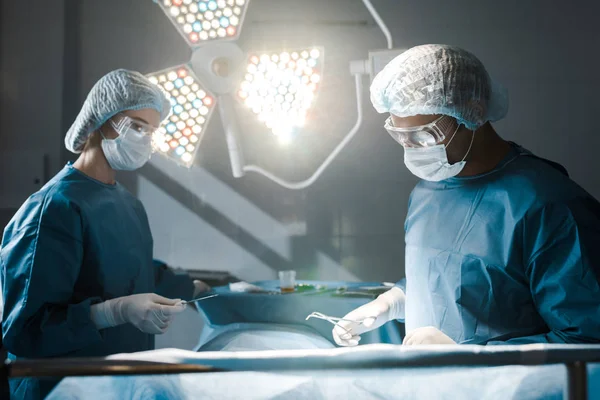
(278, 87)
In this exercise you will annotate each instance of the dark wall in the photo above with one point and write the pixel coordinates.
(31, 65)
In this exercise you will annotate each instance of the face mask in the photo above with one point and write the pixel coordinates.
(129, 151)
(431, 163)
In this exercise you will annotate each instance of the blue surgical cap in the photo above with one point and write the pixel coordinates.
(439, 79)
(115, 92)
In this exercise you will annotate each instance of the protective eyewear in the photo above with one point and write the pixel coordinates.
(336, 321)
(125, 124)
(420, 136)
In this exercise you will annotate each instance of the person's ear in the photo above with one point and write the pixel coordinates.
(476, 113)
(106, 131)
(92, 140)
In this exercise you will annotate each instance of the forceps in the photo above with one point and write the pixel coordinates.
(335, 320)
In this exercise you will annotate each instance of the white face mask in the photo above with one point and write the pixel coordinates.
(129, 151)
(431, 163)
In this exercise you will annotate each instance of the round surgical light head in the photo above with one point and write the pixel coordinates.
(280, 88)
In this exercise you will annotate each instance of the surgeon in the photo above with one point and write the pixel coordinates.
(77, 271)
(501, 246)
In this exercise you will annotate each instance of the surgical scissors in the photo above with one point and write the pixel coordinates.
(201, 298)
(335, 320)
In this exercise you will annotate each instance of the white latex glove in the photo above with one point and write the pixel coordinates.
(426, 335)
(387, 306)
(148, 312)
(200, 287)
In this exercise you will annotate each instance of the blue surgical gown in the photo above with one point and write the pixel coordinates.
(508, 257)
(74, 243)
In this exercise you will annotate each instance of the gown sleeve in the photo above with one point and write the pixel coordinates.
(41, 257)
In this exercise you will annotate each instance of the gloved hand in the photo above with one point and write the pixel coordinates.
(200, 287)
(148, 312)
(426, 335)
(387, 306)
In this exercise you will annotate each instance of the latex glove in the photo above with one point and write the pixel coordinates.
(387, 306)
(426, 335)
(148, 312)
(200, 287)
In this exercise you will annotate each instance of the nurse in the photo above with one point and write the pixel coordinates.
(77, 268)
(501, 245)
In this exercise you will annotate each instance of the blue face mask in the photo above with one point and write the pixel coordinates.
(130, 150)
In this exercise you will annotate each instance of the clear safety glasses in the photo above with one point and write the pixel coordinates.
(336, 321)
(123, 124)
(137, 130)
(420, 136)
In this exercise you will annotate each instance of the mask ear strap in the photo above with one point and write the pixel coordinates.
(471, 145)
(102, 133)
(452, 138)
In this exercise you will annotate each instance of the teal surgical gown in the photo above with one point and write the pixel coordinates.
(508, 257)
(74, 243)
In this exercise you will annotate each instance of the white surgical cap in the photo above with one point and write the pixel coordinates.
(439, 79)
(115, 92)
